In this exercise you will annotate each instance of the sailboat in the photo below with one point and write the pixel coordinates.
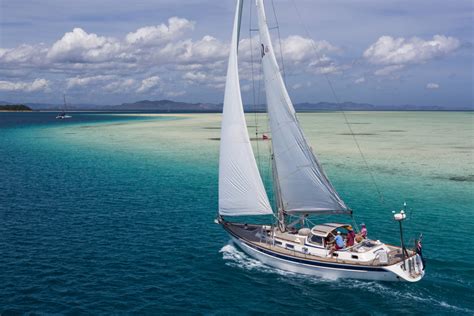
(62, 115)
(302, 189)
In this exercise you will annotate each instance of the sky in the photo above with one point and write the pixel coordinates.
(111, 52)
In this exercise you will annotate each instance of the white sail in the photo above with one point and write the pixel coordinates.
(303, 185)
(241, 190)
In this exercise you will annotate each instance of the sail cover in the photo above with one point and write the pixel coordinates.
(241, 190)
(304, 187)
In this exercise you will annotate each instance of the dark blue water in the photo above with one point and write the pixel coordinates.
(90, 225)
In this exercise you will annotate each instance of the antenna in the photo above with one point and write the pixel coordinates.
(400, 217)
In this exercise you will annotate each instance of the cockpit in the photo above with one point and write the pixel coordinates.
(323, 235)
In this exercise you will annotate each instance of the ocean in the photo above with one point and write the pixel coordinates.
(111, 213)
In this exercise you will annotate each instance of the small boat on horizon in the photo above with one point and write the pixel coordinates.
(62, 115)
(301, 188)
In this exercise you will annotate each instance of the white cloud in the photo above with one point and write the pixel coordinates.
(88, 59)
(148, 83)
(432, 85)
(36, 85)
(209, 79)
(208, 48)
(149, 35)
(79, 46)
(399, 51)
(297, 48)
(325, 65)
(120, 86)
(388, 70)
(195, 76)
(30, 54)
(297, 52)
(359, 80)
(82, 60)
(85, 81)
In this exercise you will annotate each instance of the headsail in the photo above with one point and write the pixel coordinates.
(304, 187)
(241, 190)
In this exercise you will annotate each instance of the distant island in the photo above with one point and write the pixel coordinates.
(14, 107)
(176, 106)
(167, 106)
(173, 106)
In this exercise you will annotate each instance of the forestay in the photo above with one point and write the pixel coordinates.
(241, 190)
(304, 187)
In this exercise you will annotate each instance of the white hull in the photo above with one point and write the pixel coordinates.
(389, 273)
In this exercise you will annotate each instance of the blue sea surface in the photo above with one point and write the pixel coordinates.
(107, 214)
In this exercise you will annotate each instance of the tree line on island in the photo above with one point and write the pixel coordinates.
(14, 107)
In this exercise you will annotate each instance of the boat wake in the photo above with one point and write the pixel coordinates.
(234, 257)
(237, 258)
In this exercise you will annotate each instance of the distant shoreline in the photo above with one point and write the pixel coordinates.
(219, 112)
(170, 106)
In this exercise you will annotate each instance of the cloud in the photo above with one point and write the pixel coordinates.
(325, 65)
(432, 85)
(399, 51)
(120, 86)
(297, 48)
(148, 83)
(210, 79)
(359, 80)
(83, 60)
(36, 85)
(79, 46)
(297, 52)
(388, 70)
(195, 76)
(85, 81)
(208, 48)
(80, 59)
(31, 54)
(150, 35)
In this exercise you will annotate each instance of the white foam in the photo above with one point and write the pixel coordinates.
(237, 258)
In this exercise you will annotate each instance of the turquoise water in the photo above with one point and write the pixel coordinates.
(114, 214)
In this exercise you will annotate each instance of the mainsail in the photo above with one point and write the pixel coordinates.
(241, 190)
(303, 186)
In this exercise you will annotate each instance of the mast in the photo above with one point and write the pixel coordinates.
(302, 184)
(65, 106)
(241, 189)
(278, 200)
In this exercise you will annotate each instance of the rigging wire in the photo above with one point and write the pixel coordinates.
(279, 204)
(381, 197)
(253, 89)
(256, 93)
(279, 43)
